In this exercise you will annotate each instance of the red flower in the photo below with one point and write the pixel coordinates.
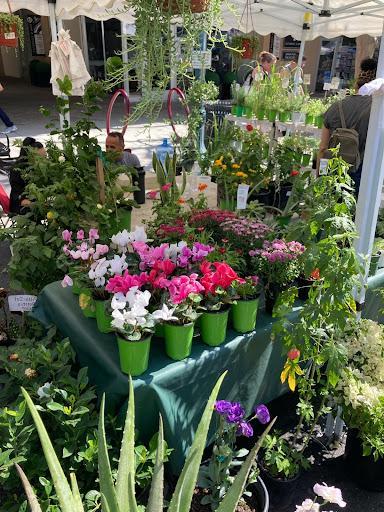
(222, 250)
(294, 172)
(293, 354)
(315, 274)
(166, 266)
(249, 128)
(205, 267)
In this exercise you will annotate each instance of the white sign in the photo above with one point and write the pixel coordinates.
(202, 59)
(21, 303)
(9, 35)
(307, 79)
(242, 196)
(323, 167)
(335, 83)
(327, 86)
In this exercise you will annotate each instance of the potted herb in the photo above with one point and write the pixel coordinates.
(134, 326)
(216, 279)
(377, 251)
(239, 100)
(216, 474)
(244, 309)
(179, 319)
(278, 263)
(11, 30)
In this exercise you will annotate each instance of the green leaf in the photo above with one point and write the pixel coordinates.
(60, 482)
(76, 493)
(182, 496)
(125, 492)
(31, 496)
(156, 494)
(108, 494)
(235, 492)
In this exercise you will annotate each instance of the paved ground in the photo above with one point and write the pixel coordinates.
(21, 102)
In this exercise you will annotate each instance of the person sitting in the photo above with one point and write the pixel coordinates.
(356, 111)
(114, 144)
(17, 197)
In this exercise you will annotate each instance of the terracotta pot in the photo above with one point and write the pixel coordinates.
(9, 37)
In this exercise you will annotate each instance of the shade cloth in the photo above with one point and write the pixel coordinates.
(177, 390)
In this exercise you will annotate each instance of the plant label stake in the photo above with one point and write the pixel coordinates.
(100, 179)
(242, 196)
(323, 167)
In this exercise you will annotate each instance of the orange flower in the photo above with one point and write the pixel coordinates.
(236, 166)
(224, 167)
(202, 187)
(315, 274)
(181, 200)
(241, 175)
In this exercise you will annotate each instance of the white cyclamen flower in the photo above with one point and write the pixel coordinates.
(139, 235)
(308, 506)
(174, 250)
(43, 391)
(61, 159)
(98, 271)
(117, 265)
(118, 301)
(165, 314)
(330, 494)
(121, 240)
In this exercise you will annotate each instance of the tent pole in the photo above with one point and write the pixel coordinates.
(299, 64)
(54, 34)
(124, 54)
(369, 199)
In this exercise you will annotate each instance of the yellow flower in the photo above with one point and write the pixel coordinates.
(219, 162)
(50, 215)
(236, 166)
(224, 167)
(241, 175)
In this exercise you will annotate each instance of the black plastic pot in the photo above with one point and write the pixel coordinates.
(365, 471)
(260, 495)
(264, 196)
(304, 286)
(139, 181)
(270, 296)
(282, 492)
(280, 197)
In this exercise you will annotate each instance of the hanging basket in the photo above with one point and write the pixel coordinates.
(176, 7)
(9, 36)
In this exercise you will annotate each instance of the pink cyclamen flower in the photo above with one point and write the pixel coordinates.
(152, 194)
(166, 187)
(93, 235)
(67, 235)
(67, 281)
(330, 494)
(80, 234)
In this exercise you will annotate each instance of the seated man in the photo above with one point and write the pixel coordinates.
(115, 144)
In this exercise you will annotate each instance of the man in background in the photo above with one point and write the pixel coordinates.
(115, 144)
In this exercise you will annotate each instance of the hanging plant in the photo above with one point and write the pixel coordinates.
(244, 46)
(11, 30)
(167, 33)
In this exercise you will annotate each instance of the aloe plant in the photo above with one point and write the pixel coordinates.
(166, 175)
(120, 496)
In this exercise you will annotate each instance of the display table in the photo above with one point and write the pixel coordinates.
(177, 390)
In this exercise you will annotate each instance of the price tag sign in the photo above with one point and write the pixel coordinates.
(327, 86)
(21, 303)
(307, 79)
(323, 167)
(335, 83)
(202, 59)
(242, 196)
(9, 35)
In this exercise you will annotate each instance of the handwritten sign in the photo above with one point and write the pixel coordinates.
(242, 196)
(21, 303)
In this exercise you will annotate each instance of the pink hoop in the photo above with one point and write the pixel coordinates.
(127, 109)
(181, 95)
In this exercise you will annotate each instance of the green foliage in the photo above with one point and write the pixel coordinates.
(280, 459)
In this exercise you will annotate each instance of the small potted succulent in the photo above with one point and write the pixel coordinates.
(244, 309)
(216, 279)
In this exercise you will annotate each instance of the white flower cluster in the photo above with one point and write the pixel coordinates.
(124, 238)
(103, 267)
(329, 494)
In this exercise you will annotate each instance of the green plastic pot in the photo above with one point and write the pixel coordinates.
(309, 119)
(134, 355)
(213, 327)
(248, 112)
(306, 160)
(178, 340)
(233, 110)
(284, 116)
(87, 304)
(319, 121)
(374, 264)
(272, 114)
(260, 114)
(228, 204)
(159, 330)
(244, 314)
(103, 319)
(239, 111)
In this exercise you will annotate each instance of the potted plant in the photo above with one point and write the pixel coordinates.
(216, 280)
(134, 325)
(244, 46)
(244, 309)
(180, 318)
(278, 263)
(11, 30)
(377, 251)
(239, 95)
(216, 474)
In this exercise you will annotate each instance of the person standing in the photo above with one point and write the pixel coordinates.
(9, 125)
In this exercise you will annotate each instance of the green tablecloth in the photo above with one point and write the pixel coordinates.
(177, 390)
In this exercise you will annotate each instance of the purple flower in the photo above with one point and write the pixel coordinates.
(67, 281)
(67, 235)
(245, 429)
(223, 407)
(80, 234)
(236, 413)
(262, 414)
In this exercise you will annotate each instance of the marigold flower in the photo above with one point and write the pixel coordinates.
(224, 167)
(202, 187)
(315, 274)
(241, 174)
(236, 166)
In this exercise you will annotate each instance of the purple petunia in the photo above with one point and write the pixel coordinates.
(262, 414)
(223, 407)
(245, 429)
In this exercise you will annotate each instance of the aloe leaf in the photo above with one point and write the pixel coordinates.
(184, 183)
(235, 492)
(187, 481)
(107, 489)
(126, 493)
(76, 494)
(59, 479)
(31, 496)
(156, 494)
